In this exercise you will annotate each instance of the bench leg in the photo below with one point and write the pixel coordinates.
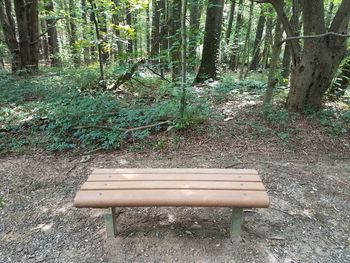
(236, 223)
(111, 223)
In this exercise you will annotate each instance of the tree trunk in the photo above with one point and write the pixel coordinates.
(44, 43)
(273, 73)
(9, 29)
(116, 20)
(148, 25)
(176, 40)
(28, 30)
(73, 33)
(268, 39)
(234, 61)
(230, 21)
(155, 45)
(195, 17)
(86, 36)
(245, 56)
(313, 74)
(52, 34)
(211, 46)
(129, 22)
(296, 26)
(257, 42)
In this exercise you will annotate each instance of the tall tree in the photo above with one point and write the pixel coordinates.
(73, 32)
(235, 46)
(52, 33)
(27, 16)
(273, 70)
(257, 41)
(195, 8)
(230, 21)
(176, 40)
(296, 26)
(315, 63)
(9, 30)
(208, 67)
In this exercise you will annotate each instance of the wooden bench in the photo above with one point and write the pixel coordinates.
(234, 188)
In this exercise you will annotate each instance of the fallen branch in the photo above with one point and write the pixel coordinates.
(143, 84)
(122, 129)
(156, 73)
(148, 126)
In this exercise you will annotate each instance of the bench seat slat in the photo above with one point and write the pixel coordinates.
(208, 185)
(174, 171)
(199, 198)
(174, 177)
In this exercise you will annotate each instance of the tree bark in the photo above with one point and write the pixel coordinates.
(195, 17)
(176, 40)
(9, 29)
(28, 30)
(52, 34)
(230, 21)
(245, 55)
(211, 46)
(44, 42)
(312, 76)
(234, 61)
(73, 33)
(258, 37)
(273, 73)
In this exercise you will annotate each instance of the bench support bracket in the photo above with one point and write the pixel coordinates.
(111, 223)
(236, 223)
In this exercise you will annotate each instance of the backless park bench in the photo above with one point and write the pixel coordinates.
(234, 188)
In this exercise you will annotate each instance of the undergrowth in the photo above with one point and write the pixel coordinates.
(67, 109)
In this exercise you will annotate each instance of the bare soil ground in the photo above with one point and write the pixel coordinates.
(307, 179)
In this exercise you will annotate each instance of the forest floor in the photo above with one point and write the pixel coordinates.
(307, 178)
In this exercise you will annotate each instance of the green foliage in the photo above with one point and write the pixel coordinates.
(337, 122)
(69, 110)
(278, 117)
(229, 86)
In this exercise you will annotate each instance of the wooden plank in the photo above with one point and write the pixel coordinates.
(199, 198)
(174, 171)
(174, 177)
(114, 185)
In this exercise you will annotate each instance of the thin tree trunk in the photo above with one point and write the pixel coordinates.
(183, 57)
(52, 34)
(176, 40)
(211, 46)
(44, 43)
(268, 40)
(234, 61)
(98, 36)
(116, 21)
(73, 32)
(148, 25)
(245, 56)
(195, 9)
(155, 30)
(230, 21)
(129, 22)
(258, 37)
(273, 70)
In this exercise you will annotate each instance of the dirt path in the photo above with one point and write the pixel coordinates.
(308, 221)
